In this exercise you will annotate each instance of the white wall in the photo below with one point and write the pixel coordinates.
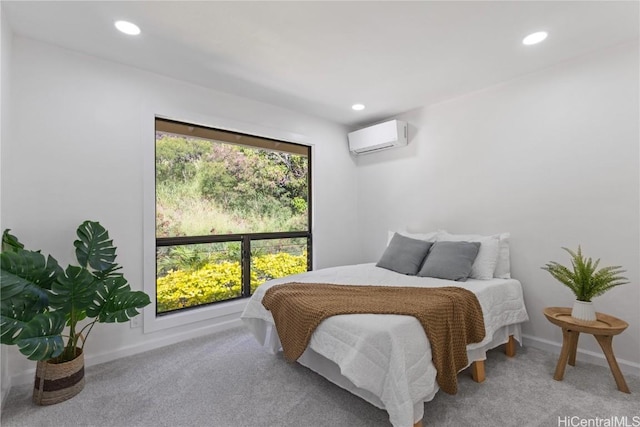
(5, 79)
(77, 153)
(552, 157)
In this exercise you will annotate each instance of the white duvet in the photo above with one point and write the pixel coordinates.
(387, 358)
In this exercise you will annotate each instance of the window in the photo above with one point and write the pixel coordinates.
(232, 211)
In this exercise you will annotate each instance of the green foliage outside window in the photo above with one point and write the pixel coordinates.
(212, 188)
(217, 188)
(178, 157)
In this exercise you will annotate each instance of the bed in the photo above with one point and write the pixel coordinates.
(386, 359)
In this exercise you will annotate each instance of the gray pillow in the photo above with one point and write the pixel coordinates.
(404, 255)
(450, 260)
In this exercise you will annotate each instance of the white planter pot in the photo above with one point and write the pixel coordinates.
(584, 311)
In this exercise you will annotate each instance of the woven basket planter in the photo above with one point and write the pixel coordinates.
(57, 382)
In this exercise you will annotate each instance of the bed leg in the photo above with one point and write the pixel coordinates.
(477, 371)
(510, 347)
(418, 424)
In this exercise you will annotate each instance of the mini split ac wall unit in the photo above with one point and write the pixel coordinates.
(382, 136)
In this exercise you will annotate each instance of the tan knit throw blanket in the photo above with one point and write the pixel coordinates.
(451, 317)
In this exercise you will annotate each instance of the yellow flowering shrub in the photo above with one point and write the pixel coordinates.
(186, 288)
(273, 266)
(222, 280)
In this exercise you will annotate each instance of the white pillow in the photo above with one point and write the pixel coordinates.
(503, 267)
(487, 259)
(427, 237)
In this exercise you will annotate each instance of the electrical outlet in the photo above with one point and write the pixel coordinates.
(136, 322)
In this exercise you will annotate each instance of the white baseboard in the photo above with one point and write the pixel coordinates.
(27, 376)
(626, 366)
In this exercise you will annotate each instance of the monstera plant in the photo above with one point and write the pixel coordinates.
(49, 312)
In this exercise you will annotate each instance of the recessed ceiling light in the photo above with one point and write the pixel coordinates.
(357, 107)
(535, 38)
(127, 28)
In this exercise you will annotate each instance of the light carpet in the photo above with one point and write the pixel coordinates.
(228, 380)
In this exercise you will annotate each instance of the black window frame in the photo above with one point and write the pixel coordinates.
(245, 239)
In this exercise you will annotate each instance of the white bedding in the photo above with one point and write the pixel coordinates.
(387, 358)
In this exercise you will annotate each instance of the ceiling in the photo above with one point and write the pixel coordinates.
(322, 57)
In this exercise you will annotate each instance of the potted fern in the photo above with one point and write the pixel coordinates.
(49, 312)
(585, 281)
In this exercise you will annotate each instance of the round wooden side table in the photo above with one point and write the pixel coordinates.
(603, 329)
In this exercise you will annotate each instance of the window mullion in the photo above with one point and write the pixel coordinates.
(246, 265)
(309, 253)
